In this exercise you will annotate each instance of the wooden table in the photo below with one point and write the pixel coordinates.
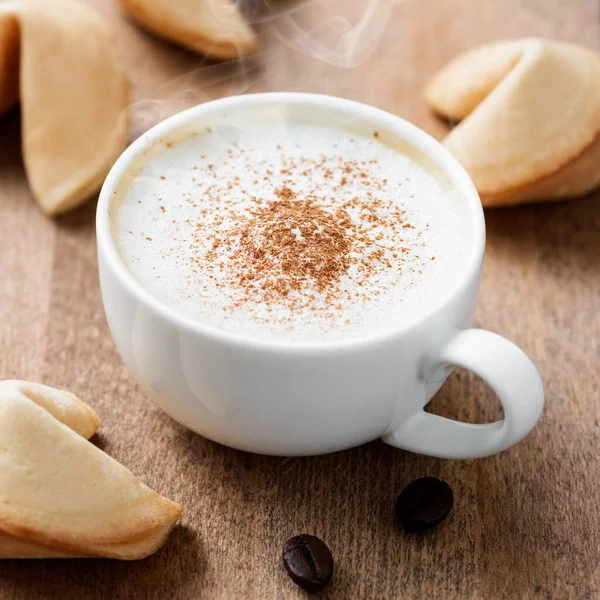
(526, 523)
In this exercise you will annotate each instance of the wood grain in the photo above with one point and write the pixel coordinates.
(525, 523)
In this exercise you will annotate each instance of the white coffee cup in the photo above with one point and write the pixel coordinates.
(300, 398)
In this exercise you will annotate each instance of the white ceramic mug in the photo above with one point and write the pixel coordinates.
(299, 398)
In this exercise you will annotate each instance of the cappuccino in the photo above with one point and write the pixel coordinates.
(290, 232)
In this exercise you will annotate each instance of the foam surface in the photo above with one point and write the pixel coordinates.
(171, 221)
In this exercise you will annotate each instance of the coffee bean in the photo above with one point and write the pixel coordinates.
(308, 562)
(424, 503)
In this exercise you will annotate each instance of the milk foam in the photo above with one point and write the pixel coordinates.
(198, 190)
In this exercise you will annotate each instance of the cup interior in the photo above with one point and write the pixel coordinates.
(281, 110)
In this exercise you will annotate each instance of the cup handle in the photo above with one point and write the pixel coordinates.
(509, 372)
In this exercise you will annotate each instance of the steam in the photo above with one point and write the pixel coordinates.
(346, 36)
(191, 89)
(341, 40)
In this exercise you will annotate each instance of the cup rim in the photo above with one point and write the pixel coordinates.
(382, 119)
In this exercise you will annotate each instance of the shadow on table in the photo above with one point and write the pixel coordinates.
(10, 132)
(81, 219)
(179, 560)
(557, 230)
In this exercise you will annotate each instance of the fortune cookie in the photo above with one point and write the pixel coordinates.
(529, 113)
(58, 59)
(216, 28)
(60, 496)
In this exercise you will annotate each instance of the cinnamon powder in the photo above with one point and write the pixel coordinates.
(290, 242)
(306, 251)
(296, 247)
